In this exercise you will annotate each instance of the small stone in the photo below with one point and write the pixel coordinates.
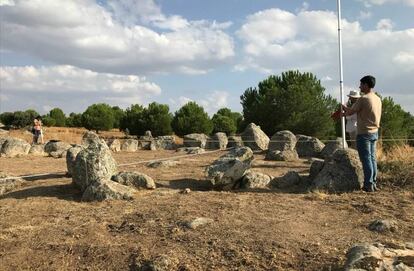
(199, 221)
(186, 191)
(383, 225)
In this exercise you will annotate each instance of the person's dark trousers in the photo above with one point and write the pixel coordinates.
(366, 145)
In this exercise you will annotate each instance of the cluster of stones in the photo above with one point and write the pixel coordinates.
(333, 169)
(94, 172)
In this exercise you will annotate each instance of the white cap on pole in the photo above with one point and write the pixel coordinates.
(341, 75)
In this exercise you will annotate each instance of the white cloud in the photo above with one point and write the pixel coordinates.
(106, 39)
(364, 15)
(276, 41)
(369, 3)
(69, 86)
(385, 24)
(211, 103)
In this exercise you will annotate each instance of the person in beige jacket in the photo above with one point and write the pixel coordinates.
(368, 109)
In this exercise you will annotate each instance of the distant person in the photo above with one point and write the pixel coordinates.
(351, 120)
(37, 130)
(368, 110)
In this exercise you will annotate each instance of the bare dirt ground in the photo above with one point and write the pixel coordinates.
(45, 226)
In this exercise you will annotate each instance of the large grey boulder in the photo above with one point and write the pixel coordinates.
(13, 147)
(235, 141)
(228, 170)
(287, 155)
(163, 164)
(8, 183)
(308, 146)
(38, 150)
(57, 149)
(383, 225)
(191, 150)
(114, 145)
(90, 137)
(253, 180)
(107, 189)
(282, 141)
(71, 157)
(163, 143)
(282, 147)
(195, 140)
(93, 164)
(290, 179)
(316, 167)
(130, 145)
(340, 173)
(331, 147)
(134, 179)
(218, 141)
(254, 138)
(379, 257)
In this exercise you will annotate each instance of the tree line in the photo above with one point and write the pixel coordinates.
(292, 101)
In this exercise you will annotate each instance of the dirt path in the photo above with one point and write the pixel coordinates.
(45, 226)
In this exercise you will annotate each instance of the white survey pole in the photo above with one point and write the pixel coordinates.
(341, 75)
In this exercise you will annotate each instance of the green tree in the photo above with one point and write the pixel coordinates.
(133, 120)
(223, 124)
(157, 118)
(191, 118)
(118, 115)
(59, 117)
(293, 101)
(395, 122)
(98, 117)
(7, 118)
(48, 121)
(74, 120)
(21, 119)
(235, 116)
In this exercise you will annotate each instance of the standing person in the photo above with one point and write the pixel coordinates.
(368, 109)
(351, 121)
(37, 126)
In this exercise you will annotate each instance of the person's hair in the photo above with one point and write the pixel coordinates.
(369, 80)
(38, 118)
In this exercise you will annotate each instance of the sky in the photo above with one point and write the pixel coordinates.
(73, 53)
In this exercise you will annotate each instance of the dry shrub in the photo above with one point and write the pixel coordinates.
(396, 166)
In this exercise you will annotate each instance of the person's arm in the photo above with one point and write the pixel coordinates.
(348, 111)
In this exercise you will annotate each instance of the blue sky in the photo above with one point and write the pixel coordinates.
(73, 53)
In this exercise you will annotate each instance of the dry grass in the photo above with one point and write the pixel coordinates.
(396, 166)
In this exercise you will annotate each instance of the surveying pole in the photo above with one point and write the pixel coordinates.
(341, 75)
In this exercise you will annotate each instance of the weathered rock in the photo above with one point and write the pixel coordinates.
(228, 170)
(38, 150)
(253, 180)
(254, 138)
(235, 141)
(9, 183)
(290, 179)
(13, 147)
(199, 221)
(153, 146)
(383, 225)
(145, 144)
(191, 150)
(93, 164)
(316, 167)
(106, 189)
(71, 157)
(287, 155)
(331, 147)
(114, 145)
(308, 146)
(130, 145)
(3, 132)
(91, 138)
(148, 134)
(282, 141)
(218, 141)
(378, 257)
(57, 149)
(195, 140)
(340, 173)
(165, 143)
(134, 179)
(163, 164)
